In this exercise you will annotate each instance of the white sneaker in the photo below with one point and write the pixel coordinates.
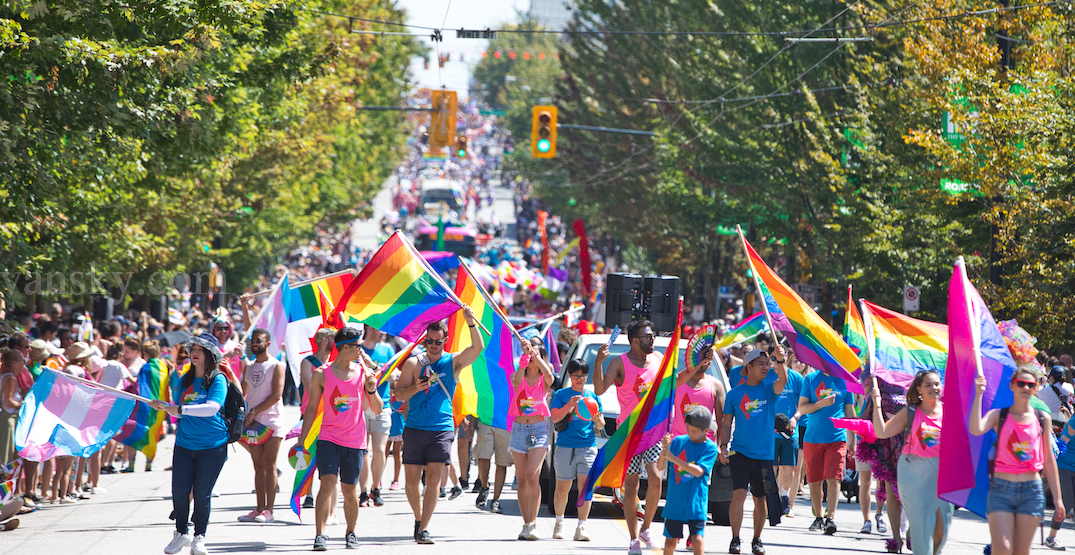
(580, 533)
(867, 528)
(532, 534)
(558, 530)
(98, 490)
(333, 521)
(646, 539)
(525, 532)
(197, 547)
(881, 527)
(179, 541)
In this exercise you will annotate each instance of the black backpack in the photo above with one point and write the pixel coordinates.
(234, 412)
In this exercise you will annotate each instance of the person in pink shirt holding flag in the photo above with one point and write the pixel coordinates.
(1016, 502)
(530, 432)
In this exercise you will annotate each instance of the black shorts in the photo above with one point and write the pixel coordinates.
(802, 434)
(345, 462)
(674, 528)
(424, 447)
(749, 472)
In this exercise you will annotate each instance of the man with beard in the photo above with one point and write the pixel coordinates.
(633, 373)
(263, 387)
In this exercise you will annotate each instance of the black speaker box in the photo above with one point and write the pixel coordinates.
(623, 300)
(660, 301)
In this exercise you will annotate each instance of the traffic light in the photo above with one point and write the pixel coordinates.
(442, 119)
(543, 132)
(461, 147)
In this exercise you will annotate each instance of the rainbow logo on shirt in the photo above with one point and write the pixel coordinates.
(526, 404)
(750, 407)
(1019, 449)
(340, 403)
(641, 386)
(822, 392)
(929, 436)
(687, 404)
(681, 472)
(189, 396)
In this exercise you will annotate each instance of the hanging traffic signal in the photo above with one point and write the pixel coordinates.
(461, 147)
(543, 132)
(442, 119)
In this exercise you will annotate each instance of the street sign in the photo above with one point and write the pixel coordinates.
(910, 298)
(491, 112)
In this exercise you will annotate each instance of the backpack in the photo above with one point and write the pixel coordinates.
(1065, 406)
(234, 411)
(1043, 421)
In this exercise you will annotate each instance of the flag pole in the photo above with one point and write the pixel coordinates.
(757, 284)
(301, 283)
(550, 318)
(488, 299)
(678, 336)
(102, 386)
(975, 332)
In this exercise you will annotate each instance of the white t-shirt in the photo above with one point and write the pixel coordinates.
(136, 365)
(114, 374)
(1048, 396)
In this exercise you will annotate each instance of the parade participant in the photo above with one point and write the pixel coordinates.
(201, 441)
(62, 484)
(530, 432)
(695, 387)
(427, 384)
(263, 386)
(341, 445)
(633, 373)
(786, 450)
(929, 516)
(395, 435)
(880, 459)
(464, 435)
(491, 447)
(692, 455)
(576, 445)
(323, 338)
(377, 424)
(131, 356)
(826, 447)
(12, 364)
(1016, 501)
(752, 408)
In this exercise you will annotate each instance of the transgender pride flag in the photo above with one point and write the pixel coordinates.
(975, 346)
(62, 417)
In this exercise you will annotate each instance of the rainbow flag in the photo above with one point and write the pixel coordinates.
(6, 489)
(901, 346)
(975, 347)
(649, 422)
(307, 307)
(398, 292)
(748, 329)
(484, 389)
(397, 360)
(305, 478)
(144, 425)
(61, 417)
(855, 330)
(814, 342)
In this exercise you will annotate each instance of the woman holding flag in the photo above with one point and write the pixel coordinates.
(1016, 502)
(530, 432)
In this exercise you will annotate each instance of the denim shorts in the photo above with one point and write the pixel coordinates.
(521, 435)
(1021, 498)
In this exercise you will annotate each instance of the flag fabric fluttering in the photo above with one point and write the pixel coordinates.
(744, 331)
(397, 360)
(549, 339)
(484, 388)
(304, 478)
(308, 307)
(553, 284)
(975, 347)
(542, 218)
(901, 346)
(397, 292)
(273, 317)
(61, 417)
(855, 331)
(441, 261)
(586, 270)
(813, 341)
(650, 420)
(144, 425)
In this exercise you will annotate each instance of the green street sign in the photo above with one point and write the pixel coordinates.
(491, 112)
(954, 187)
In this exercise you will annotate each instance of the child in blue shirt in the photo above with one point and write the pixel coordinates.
(692, 456)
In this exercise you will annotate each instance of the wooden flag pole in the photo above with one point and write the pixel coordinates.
(307, 282)
(107, 388)
(757, 284)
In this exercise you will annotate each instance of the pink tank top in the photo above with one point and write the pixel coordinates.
(925, 438)
(343, 422)
(530, 400)
(686, 397)
(636, 382)
(1019, 448)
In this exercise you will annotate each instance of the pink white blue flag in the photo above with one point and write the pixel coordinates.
(975, 346)
(62, 417)
(550, 346)
(273, 317)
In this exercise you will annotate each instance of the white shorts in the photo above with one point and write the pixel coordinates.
(378, 423)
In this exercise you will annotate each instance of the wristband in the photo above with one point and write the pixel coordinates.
(781, 361)
(368, 392)
(472, 325)
(180, 409)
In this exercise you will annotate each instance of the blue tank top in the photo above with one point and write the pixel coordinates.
(431, 409)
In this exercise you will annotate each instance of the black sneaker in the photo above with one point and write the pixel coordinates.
(494, 507)
(364, 499)
(477, 486)
(464, 482)
(308, 503)
(417, 524)
(456, 492)
(756, 547)
(786, 502)
(818, 524)
(321, 542)
(443, 493)
(375, 495)
(482, 496)
(171, 515)
(735, 547)
(352, 540)
(424, 538)
(830, 527)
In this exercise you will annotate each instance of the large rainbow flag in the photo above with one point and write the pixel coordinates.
(975, 347)
(814, 342)
(901, 346)
(855, 330)
(748, 329)
(308, 307)
(144, 425)
(397, 292)
(649, 422)
(484, 389)
(305, 478)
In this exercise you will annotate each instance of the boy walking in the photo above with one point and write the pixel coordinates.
(692, 457)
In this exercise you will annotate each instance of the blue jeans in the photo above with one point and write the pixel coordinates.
(195, 471)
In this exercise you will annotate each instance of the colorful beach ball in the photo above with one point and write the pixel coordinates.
(587, 408)
(299, 459)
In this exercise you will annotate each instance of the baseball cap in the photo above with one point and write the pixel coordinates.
(1056, 372)
(754, 355)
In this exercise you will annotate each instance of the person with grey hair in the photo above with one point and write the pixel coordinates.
(693, 456)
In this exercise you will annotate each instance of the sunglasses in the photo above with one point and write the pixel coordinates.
(1026, 384)
(435, 341)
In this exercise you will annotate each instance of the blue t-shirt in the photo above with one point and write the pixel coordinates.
(820, 429)
(431, 410)
(197, 433)
(688, 495)
(739, 376)
(1066, 460)
(381, 354)
(788, 402)
(754, 410)
(579, 432)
